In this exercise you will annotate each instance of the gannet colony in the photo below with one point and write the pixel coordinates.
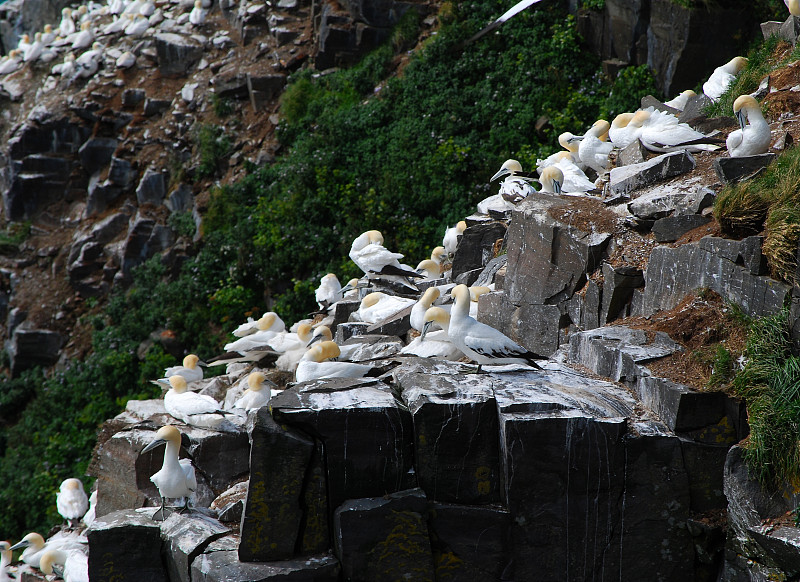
(442, 422)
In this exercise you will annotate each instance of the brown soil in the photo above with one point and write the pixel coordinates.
(586, 214)
(699, 323)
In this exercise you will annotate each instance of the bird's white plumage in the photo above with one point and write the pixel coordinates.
(176, 478)
(723, 76)
(753, 136)
(378, 306)
(71, 500)
(679, 102)
(314, 364)
(192, 408)
(256, 395)
(329, 291)
(189, 369)
(592, 150)
(451, 237)
(369, 255)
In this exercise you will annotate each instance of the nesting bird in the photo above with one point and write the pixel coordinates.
(192, 408)
(378, 306)
(592, 150)
(256, 395)
(434, 344)
(190, 369)
(682, 99)
(451, 237)
(329, 291)
(551, 179)
(176, 479)
(753, 136)
(71, 501)
(516, 187)
(315, 366)
(722, 77)
(72, 566)
(369, 255)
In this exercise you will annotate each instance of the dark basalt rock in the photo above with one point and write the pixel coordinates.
(176, 54)
(185, 537)
(379, 538)
(29, 348)
(735, 169)
(96, 153)
(152, 188)
(475, 248)
(628, 178)
(224, 566)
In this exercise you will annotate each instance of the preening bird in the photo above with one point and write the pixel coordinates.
(315, 366)
(451, 237)
(434, 344)
(516, 187)
(551, 179)
(682, 99)
(723, 76)
(176, 478)
(429, 269)
(422, 305)
(378, 306)
(369, 255)
(72, 566)
(329, 291)
(257, 394)
(592, 150)
(267, 327)
(753, 136)
(480, 342)
(71, 501)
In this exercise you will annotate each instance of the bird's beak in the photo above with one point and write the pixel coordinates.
(500, 173)
(20, 545)
(741, 118)
(164, 382)
(58, 570)
(556, 186)
(345, 289)
(154, 444)
(575, 138)
(202, 363)
(314, 340)
(425, 329)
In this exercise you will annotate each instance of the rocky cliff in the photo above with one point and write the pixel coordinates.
(607, 464)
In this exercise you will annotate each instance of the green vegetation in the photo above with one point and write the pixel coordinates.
(769, 202)
(182, 223)
(12, 236)
(222, 107)
(213, 147)
(770, 382)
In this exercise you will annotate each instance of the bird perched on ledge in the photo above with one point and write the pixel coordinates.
(176, 478)
(753, 136)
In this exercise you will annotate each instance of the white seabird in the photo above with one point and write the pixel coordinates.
(369, 255)
(35, 49)
(680, 101)
(659, 127)
(12, 62)
(439, 255)
(176, 478)
(573, 178)
(256, 395)
(198, 14)
(314, 366)
(429, 269)
(421, 307)
(190, 369)
(622, 133)
(551, 179)
(84, 38)
(6, 555)
(434, 344)
(515, 188)
(378, 306)
(126, 60)
(67, 25)
(451, 237)
(72, 566)
(723, 76)
(48, 35)
(33, 544)
(138, 26)
(192, 408)
(267, 327)
(329, 291)
(89, 516)
(480, 342)
(71, 500)
(592, 150)
(753, 136)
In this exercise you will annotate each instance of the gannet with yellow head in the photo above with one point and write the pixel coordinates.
(315, 365)
(753, 136)
(176, 477)
(71, 500)
(192, 408)
(722, 77)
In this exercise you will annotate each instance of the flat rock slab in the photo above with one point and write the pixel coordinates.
(672, 228)
(372, 347)
(176, 54)
(135, 531)
(615, 352)
(368, 434)
(384, 539)
(663, 202)
(455, 425)
(735, 169)
(185, 537)
(224, 566)
(628, 178)
(782, 544)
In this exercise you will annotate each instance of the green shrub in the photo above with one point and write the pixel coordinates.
(213, 148)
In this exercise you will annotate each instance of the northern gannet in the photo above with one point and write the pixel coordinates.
(33, 544)
(138, 26)
(480, 342)
(753, 136)
(551, 179)
(67, 25)
(267, 327)
(369, 255)
(198, 14)
(573, 178)
(592, 150)
(329, 291)
(12, 62)
(722, 77)
(192, 408)
(567, 141)
(35, 49)
(72, 566)
(515, 188)
(118, 24)
(71, 501)
(314, 366)
(24, 43)
(126, 60)
(661, 128)
(84, 38)
(256, 395)
(89, 516)
(793, 6)
(622, 133)
(176, 478)
(6, 555)
(429, 269)
(48, 35)
(421, 307)
(680, 101)
(439, 255)
(451, 237)
(434, 344)
(65, 69)
(190, 369)
(378, 306)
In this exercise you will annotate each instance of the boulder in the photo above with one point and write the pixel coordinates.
(790, 29)
(273, 512)
(360, 422)
(224, 566)
(455, 429)
(181, 199)
(131, 97)
(628, 178)
(475, 248)
(96, 153)
(618, 286)
(185, 537)
(176, 54)
(633, 153)
(583, 307)
(664, 202)
(672, 228)
(155, 106)
(537, 327)
(263, 89)
(673, 273)
(383, 539)
(133, 530)
(152, 188)
(60, 136)
(742, 168)
(29, 348)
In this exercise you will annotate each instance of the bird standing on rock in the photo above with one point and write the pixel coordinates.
(480, 342)
(71, 501)
(515, 188)
(176, 478)
(753, 136)
(378, 262)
